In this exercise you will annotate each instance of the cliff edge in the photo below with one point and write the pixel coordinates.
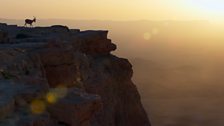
(56, 76)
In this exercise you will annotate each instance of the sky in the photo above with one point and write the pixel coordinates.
(114, 9)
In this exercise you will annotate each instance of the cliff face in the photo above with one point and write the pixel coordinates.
(64, 77)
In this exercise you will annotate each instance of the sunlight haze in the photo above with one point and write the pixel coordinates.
(114, 9)
(171, 51)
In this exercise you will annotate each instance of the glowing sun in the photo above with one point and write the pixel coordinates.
(212, 6)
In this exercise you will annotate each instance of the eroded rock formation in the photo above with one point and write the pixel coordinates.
(56, 76)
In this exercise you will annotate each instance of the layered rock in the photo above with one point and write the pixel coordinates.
(61, 76)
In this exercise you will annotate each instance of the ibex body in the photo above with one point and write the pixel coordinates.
(30, 22)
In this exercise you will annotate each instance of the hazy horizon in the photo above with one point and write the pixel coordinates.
(115, 10)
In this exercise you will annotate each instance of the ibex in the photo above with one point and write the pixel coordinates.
(30, 22)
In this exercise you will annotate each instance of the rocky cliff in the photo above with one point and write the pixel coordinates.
(56, 76)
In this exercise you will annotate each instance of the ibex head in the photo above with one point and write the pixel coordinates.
(34, 19)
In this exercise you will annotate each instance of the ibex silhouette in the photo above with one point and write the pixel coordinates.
(30, 22)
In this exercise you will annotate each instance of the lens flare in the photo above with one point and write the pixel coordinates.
(155, 31)
(147, 36)
(37, 107)
(51, 97)
(56, 94)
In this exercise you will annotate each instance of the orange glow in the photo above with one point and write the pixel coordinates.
(38, 107)
(56, 94)
(112, 9)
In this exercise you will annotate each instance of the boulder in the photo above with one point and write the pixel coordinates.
(96, 43)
